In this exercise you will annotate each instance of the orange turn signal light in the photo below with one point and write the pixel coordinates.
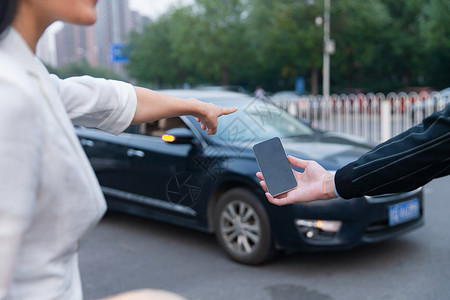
(168, 138)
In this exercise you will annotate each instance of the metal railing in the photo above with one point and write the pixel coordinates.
(375, 117)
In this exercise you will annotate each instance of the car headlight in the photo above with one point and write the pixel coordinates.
(318, 228)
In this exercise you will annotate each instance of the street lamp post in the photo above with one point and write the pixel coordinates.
(328, 48)
(326, 55)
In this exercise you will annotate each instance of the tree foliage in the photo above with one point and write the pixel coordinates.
(83, 68)
(435, 34)
(380, 44)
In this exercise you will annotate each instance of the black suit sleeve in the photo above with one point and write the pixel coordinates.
(403, 163)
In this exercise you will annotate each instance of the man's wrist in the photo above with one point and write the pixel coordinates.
(329, 186)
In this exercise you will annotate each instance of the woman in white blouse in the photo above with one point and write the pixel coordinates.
(49, 195)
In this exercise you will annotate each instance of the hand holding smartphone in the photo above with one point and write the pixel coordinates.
(275, 167)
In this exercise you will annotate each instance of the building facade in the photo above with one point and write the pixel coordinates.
(115, 21)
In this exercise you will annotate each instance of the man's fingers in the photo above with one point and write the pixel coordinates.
(262, 182)
(270, 198)
(297, 162)
(277, 201)
(263, 185)
(280, 196)
(281, 201)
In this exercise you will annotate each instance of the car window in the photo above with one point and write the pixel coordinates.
(156, 128)
(260, 121)
(132, 129)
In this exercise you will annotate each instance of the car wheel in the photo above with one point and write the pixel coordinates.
(242, 227)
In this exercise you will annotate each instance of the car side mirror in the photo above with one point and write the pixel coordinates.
(178, 136)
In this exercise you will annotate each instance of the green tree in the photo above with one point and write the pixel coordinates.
(153, 60)
(291, 44)
(435, 34)
(380, 44)
(203, 42)
(83, 68)
(358, 27)
(209, 39)
(286, 41)
(402, 51)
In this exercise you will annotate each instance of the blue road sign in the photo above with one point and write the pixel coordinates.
(118, 54)
(300, 85)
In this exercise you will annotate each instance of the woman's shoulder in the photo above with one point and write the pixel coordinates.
(16, 97)
(15, 82)
(11, 72)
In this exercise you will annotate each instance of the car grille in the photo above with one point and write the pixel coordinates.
(391, 197)
(379, 227)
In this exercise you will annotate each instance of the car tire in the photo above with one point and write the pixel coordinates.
(242, 227)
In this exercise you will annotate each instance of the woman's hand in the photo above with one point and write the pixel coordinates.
(209, 113)
(315, 183)
(152, 106)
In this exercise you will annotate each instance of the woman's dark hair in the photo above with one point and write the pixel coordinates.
(7, 11)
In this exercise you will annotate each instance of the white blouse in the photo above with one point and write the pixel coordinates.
(49, 195)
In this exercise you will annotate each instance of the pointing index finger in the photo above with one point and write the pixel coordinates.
(229, 110)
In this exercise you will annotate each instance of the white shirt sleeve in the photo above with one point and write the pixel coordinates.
(20, 160)
(108, 105)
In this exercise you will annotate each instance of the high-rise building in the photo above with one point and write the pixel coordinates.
(92, 43)
(113, 26)
(76, 43)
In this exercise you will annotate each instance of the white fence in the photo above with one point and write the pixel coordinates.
(375, 117)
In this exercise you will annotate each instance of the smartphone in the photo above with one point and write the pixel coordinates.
(275, 167)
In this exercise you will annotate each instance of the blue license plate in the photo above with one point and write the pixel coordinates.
(404, 212)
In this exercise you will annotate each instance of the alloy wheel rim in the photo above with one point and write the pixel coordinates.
(240, 227)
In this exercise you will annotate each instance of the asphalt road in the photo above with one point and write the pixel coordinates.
(126, 252)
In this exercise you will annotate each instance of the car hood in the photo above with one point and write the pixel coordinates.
(332, 150)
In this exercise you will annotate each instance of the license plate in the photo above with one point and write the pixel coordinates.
(404, 212)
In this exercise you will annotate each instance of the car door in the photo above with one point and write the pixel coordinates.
(107, 155)
(158, 171)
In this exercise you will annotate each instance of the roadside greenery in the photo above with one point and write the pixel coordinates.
(381, 45)
(83, 68)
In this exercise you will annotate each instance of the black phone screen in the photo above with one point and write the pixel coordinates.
(275, 166)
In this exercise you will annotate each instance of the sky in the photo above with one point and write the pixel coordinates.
(155, 8)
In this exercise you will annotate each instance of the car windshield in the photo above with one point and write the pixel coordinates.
(259, 120)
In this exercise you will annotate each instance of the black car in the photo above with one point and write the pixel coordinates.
(170, 170)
